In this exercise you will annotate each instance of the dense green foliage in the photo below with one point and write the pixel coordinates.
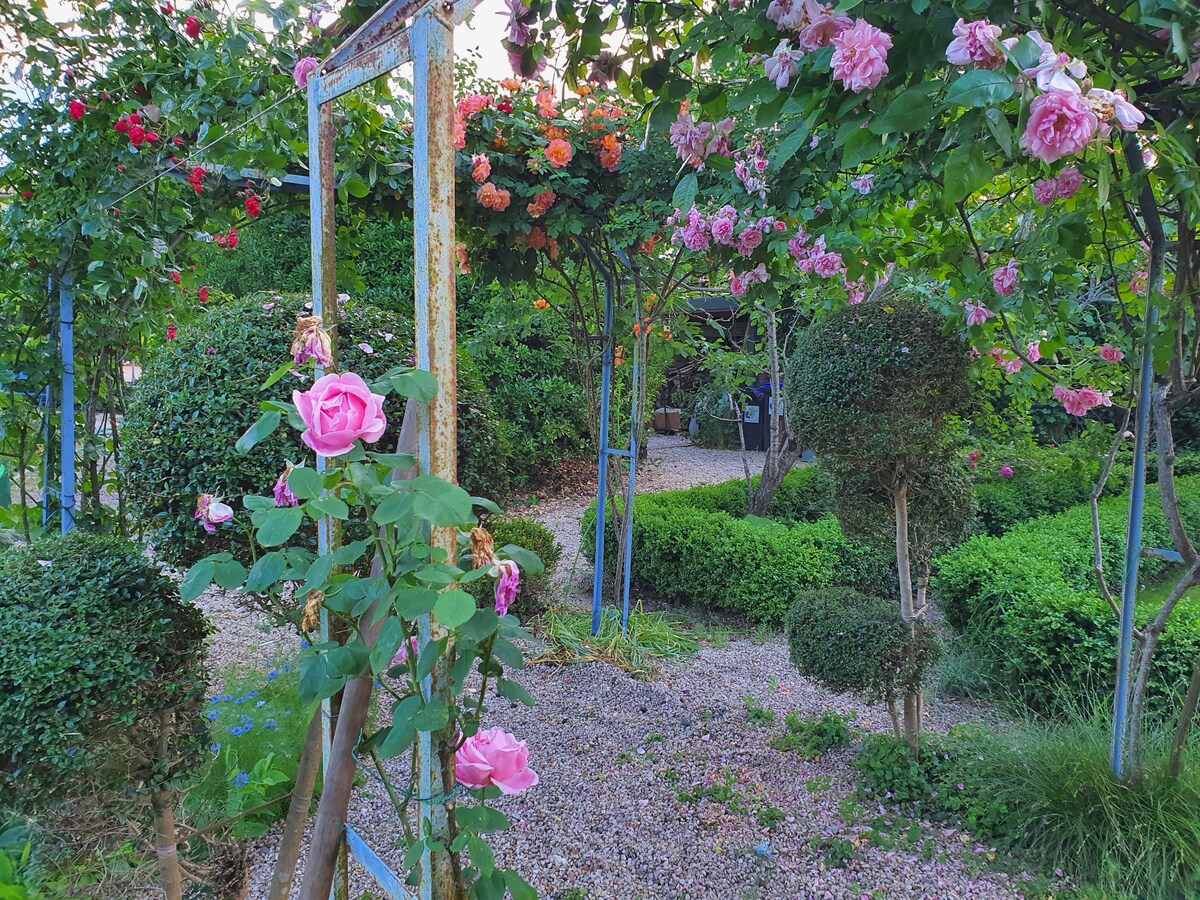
(851, 641)
(201, 392)
(536, 595)
(695, 544)
(1030, 599)
(98, 646)
(810, 737)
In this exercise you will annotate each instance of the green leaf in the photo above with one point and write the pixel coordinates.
(277, 374)
(511, 690)
(786, 148)
(395, 506)
(454, 607)
(229, 574)
(967, 170)
(411, 602)
(401, 735)
(979, 87)
(481, 625)
(434, 717)
(684, 197)
(317, 574)
(266, 571)
(348, 553)
(997, 124)
(262, 428)
(415, 383)
(487, 504)
(394, 460)
(387, 642)
(482, 819)
(197, 580)
(329, 505)
(430, 654)
(508, 653)
(439, 502)
(518, 886)
(526, 560)
(911, 111)
(279, 525)
(482, 857)
(355, 186)
(305, 482)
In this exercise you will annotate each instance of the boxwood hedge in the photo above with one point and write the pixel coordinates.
(696, 545)
(1030, 598)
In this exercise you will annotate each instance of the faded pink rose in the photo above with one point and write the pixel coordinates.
(780, 66)
(305, 66)
(1069, 181)
(338, 410)
(494, 757)
(211, 512)
(1060, 123)
(722, 230)
(1045, 191)
(1137, 283)
(977, 314)
(975, 42)
(283, 493)
(407, 648)
(829, 264)
(508, 585)
(737, 285)
(1005, 278)
(1006, 471)
(1079, 402)
(824, 26)
(748, 241)
(860, 56)
(1034, 351)
(1112, 354)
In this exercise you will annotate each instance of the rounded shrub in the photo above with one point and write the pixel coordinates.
(101, 657)
(201, 391)
(851, 641)
(535, 597)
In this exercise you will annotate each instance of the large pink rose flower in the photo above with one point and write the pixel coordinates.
(305, 66)
(975, 42)
(338, 410)
(860, 56)
(1060, 123)
(494, 757)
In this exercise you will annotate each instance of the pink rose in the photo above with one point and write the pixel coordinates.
(824, 27)
(1005, 278)
(1137, 283)
(1069, 181)
(977, 315)
(722, 230)
(1112, 354)
(1060, 123)
(860, 56)
(748, 240)
(406, 648)
(1034, 351)
(283, 493)
(338, 410)
(508, 585)
(781, 65)
(304, 67)
(494, 757)
(737, 286)
(829, 264)
(1006, 471)
(975, 42)
(1045, 191)
(211, 512)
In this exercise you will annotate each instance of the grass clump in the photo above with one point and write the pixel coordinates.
(650, 638)
(812, 736)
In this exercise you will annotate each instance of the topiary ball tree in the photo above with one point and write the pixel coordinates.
(201, 391)
(874, 385)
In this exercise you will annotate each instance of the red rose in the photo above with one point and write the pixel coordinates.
(76, 109)
(192, 27)
(178, 142)
(134, 118)
(253, 206)
(25, 195)
(137, 135)
(121, 125)
(175, 277)
(167, 9)
(203, 294)
(152, 136)
(120, 167)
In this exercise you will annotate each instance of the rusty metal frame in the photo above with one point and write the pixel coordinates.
(419, 31)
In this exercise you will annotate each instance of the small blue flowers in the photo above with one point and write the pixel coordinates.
(272, 675)
(287, 667)
(216, 699)
(215, 747)
(260, 703)
(270, 723)
(241, 779)
(304, 645)
(211, 715)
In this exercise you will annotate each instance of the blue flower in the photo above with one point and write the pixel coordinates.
(239, 701)
(250, 694)
(260, 703)
(238, 730)
(272, 675)
(287, 667)
(216, 699)
(270, 723)
(762, 848)
(304, 645)
(211, 715)
(241, 779)
(215, 747)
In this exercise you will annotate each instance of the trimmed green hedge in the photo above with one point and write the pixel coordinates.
(695, 545)
(1030, 596)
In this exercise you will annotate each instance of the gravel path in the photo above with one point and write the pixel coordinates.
(614, 755)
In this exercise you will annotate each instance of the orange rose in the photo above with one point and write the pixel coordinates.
(547, 106)
(540, 303)
(553, 131)
(536, 238)
(481, 168)
(510, 84)
(552, 248)
(541, 204)
(559, 153)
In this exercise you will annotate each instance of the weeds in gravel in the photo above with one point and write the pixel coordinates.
(813, 736)
(650, 639)
(757, 714)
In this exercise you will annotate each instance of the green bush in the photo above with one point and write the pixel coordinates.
(535, 597)
(695, 545)
(850, 641)
(202, 390)
(1030, 596)
(97, 646)
(815, 735)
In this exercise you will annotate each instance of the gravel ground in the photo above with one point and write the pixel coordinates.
(613, 754)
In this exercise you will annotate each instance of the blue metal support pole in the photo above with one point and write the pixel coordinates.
(47, 455)
(628, 536)
(602, 473)
(66, 340)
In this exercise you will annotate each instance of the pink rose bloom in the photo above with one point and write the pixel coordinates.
(737, 286)
(1112, 106)
(860, 56)
(1137, 283)
(1112, 354)
(1034, 351)
(788, 15)
(695, 232)
(406, 648)
(856, 291)
(976, 314)
(1060, 123)
(338, 410)
(722, 230)
(1005, 278)
(304, 67)
(508, 585)
(975, 42)
(823, 28)
(211, 512)
(1068, 182)
(1090, 396)
(781, 65)
(1006, 471)
(829, 264)
(1192, 75)
(757, 275)
(518, 31)
(863, 183)
(1057, 71)
(719, 142)
(494, 757)
(748, 240)
(1045, 191)
(1012, 366)
(283, 493)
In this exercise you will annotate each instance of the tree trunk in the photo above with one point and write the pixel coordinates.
(1184, 723)
(297, 817)
(912, 706)
(165, 846)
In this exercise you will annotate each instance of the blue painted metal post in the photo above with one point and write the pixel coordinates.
(47, 453)
(66, 341)
(1133, 549)
(602, 473)
(627, 538)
